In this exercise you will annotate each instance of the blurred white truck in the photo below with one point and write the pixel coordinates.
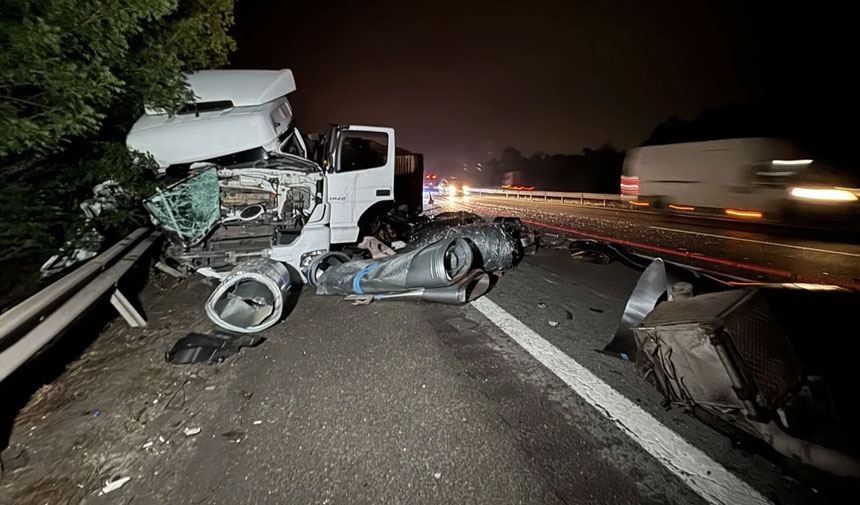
(743, 178)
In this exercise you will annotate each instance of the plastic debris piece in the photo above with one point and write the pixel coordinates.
(113, 485)
(437, 475)
(235, 436)
(147, 445)
(190, 432)
(542, 305)
(377, 248)
(97, 413)
(209, 349)
(553, 323)
(257, 422)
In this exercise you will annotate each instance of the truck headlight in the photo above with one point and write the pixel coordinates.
(824, 194)
(308, 257)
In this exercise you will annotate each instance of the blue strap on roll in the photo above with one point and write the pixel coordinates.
(356, 281)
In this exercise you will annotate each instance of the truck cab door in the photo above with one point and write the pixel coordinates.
(361, 174)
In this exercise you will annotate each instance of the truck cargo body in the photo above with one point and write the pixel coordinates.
(408, 177)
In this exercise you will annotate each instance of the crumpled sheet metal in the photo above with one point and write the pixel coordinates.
(188, 210)
(649, 289)
(251, 298)
(498, 250)
(471, 287)
(436, 265)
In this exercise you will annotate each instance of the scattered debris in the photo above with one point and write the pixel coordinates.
(251, 298)
(113, 485)
(553, 323)
(377, 248)
(257, 422)
(209, 349)
(235, 436)
(190, 432)
(147, 445)
(359, 299)
(97, 413)
(209, 388)
(498, 250)
(437, 475)
(541, 305)
(169, 270)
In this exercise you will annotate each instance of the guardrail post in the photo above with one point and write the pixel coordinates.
(604, 201)
(126, 309)
(581, 199)
(544, 197)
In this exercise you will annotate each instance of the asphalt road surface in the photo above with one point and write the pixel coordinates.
(759, 252)
(501, 401)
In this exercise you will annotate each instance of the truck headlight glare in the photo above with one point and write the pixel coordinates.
(824, 194)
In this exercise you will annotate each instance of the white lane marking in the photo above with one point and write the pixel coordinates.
(704, 476)
(765, 242)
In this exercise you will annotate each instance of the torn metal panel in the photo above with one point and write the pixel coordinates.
(251, 298)
(436, 265)
(768, 360)
(471, 287)
(649, 289)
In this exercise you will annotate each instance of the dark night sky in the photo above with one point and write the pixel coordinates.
(461, 80)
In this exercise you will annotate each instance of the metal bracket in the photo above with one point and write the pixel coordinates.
(126, 309)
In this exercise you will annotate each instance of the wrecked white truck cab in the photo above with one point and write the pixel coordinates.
(256, 186)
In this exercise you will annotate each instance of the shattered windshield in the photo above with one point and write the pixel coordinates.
(190, 209)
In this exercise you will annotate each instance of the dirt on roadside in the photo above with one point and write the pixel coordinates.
(117, 410)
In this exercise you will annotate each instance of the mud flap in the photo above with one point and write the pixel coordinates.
(209, 349)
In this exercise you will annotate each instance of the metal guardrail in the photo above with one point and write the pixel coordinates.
(563, 196)
(29, 326)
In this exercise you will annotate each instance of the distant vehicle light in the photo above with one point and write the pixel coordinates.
(746, 214)
(681, 207)
(466, 190)
(640, 204)
(451, 191)
(791, 163)
(824, 194)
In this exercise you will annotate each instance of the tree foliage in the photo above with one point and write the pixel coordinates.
(74, 75)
